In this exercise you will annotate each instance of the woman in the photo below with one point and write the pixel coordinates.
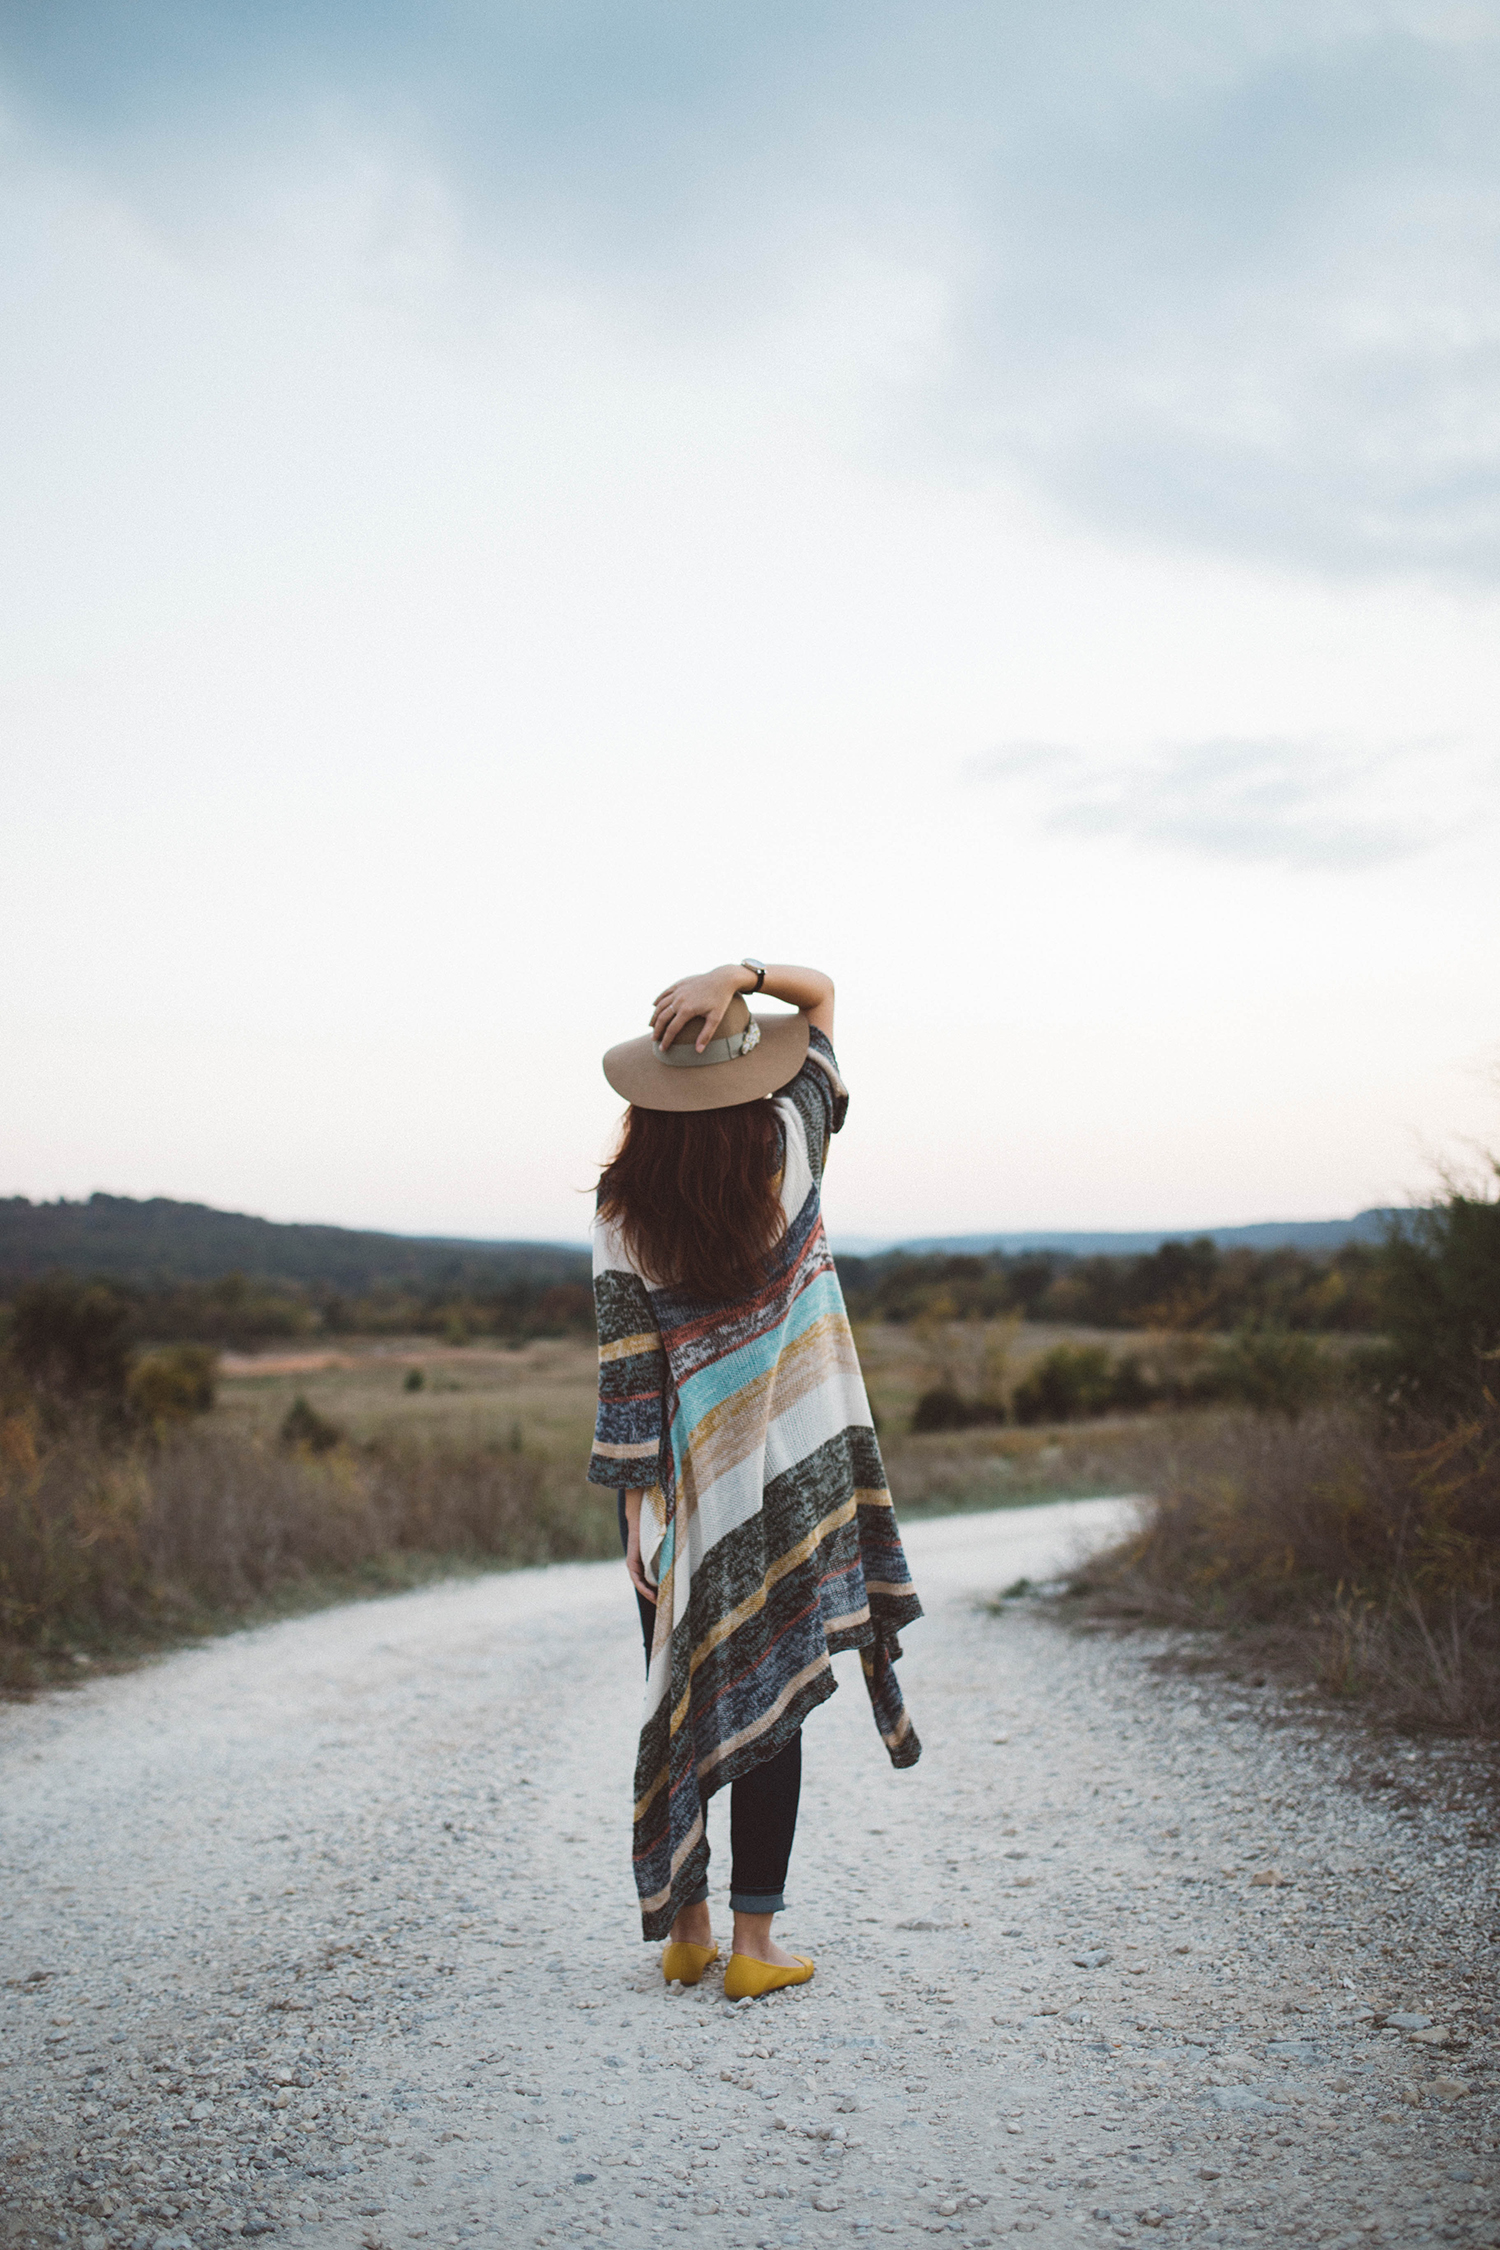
(758, 1530)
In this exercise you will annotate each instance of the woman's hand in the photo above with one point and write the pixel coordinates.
(707, 996)
(633, 1564)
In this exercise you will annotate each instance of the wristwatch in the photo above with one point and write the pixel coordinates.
(759, 967)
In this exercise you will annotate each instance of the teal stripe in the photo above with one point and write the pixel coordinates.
(710, 1386)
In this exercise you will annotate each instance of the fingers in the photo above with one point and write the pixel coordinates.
(639, 1580)
(668, 1017)
(706, 996)
(681, 1011)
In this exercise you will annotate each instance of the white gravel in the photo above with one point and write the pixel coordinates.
(326, 1932)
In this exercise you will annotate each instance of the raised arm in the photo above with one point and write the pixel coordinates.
(709, 994)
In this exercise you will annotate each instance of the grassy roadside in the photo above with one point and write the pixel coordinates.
(441, 1461)
(1336, 1550)
(1321, 1543)
(109, 1550)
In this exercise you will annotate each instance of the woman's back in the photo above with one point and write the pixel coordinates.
(766, 1525)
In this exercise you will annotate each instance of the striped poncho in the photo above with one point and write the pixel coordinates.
(767, 1526)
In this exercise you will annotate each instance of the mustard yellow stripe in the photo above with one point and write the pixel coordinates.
(791, 1560)
(627, 1346)
(753, 1733)
(731, 1431)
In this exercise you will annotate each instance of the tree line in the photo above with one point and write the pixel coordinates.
(1182, 1286)
(241, 1312)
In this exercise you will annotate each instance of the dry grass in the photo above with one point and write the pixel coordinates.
(996, 1467)
(999, 1468)
(543, 1396)
(539, 1396)
(987, 1358)
(1369, 1562)
(106, 1550)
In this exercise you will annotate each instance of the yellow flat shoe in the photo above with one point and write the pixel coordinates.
(746, 1979)
(685, 1964)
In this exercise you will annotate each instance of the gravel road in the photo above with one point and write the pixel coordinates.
(325, 1932)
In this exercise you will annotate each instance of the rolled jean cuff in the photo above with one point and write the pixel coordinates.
(757, 1902)
(699, 1895)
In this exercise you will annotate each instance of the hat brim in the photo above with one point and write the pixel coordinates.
(636, 1073)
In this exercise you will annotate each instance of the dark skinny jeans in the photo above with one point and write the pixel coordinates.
(762, 1809)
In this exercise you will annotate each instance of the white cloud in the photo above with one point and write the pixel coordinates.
(1220, 280)
(1223, 278)
(1293, 804)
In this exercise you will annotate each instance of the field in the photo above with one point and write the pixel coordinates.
(1330, 1495)
(454, 1458)
(538, 1398)
(1345, 1552)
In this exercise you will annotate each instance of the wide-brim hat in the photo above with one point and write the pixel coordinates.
(747, 1058)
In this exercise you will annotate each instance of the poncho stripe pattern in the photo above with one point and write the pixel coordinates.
(767, 1527)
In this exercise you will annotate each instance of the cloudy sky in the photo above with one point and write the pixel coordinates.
(506, 504)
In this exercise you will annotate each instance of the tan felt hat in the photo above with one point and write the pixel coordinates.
(747, 1058)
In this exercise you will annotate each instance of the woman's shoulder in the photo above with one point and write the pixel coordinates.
(817, 1096)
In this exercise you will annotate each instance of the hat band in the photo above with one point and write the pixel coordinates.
(717, 1050)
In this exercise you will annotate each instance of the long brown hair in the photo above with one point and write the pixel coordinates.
(696, 1197)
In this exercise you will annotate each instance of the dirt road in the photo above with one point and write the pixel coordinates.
(325, 1933)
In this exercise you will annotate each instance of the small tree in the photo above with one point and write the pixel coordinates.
(71, 1341)
(940, 1408)
(173, 1385)
(305, 1430)
(1440, 1302)
(1070, 1380)
(1270, 1369)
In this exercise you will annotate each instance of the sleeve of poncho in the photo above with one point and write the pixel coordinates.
(632, 1378)
(821, 1098)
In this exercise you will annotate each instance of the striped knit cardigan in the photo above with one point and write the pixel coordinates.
(767, 1526)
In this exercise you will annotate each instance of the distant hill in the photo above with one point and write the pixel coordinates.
(158, 1244)
(1317, 1237)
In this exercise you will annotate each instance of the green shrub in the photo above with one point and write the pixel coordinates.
(305, 1430)
(415, 1379)
(1440, 1305)
(70, 1340)
(174, 1384)
(1132, 1389)
(941, 1408)
(1271, 1369)
(1069, 1381)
